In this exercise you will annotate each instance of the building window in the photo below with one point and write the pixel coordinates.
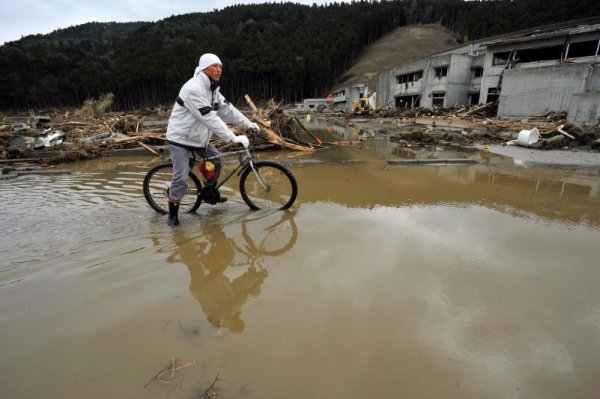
(473, 98)
(438, 99)
(409, 77)
(539, 54)
(441, 72)
(501, 58)
(493, 94)
(583, 49)
(476, 72)
(404, 102)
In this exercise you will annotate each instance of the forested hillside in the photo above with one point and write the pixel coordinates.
(280, 50)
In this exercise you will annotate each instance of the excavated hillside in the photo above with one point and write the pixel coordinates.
(398, 47)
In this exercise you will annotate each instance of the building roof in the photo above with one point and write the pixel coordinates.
(577, 26)
(548, 31)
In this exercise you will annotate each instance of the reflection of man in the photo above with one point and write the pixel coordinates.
(207, 258)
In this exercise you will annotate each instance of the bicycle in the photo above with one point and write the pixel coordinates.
(263, 184)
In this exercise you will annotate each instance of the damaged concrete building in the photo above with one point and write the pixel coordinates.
(530, 73)
(344, 98)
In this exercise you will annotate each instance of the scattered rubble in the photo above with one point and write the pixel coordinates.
(57, 136)
(466, 126)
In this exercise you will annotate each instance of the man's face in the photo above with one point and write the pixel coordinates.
(214, 71)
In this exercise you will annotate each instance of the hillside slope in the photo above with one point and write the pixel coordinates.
(398, 47)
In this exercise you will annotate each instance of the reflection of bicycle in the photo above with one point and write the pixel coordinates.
(263, 184)
(277, 231)
(227, 270)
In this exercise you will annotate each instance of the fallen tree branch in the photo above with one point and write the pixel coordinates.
(170, 368)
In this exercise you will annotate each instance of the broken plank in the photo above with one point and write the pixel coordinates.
(152, 150)
(475, 110)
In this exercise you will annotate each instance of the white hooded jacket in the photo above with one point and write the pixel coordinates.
(199, 112)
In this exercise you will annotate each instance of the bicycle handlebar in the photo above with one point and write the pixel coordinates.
(250, 133)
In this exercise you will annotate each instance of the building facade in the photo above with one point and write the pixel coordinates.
(344, 98)
(530, 73)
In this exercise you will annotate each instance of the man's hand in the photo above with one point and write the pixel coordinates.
(243, 140)
(254, 126)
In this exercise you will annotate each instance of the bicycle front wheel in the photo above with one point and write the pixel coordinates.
(156, 189)
(272, 186)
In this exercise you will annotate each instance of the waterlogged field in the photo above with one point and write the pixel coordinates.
(454, 281)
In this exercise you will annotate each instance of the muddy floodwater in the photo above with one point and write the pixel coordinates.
(383, 281)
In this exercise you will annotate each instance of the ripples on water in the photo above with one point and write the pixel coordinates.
(381, 282)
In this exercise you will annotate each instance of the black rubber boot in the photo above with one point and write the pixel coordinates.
(173, 220)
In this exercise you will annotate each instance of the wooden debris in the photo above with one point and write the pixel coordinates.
(270, 135)
(477, 109)
(317, 140)
(212, 390)
(152, 150)
(166, 374)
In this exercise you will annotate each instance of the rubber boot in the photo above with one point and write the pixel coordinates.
(173, 220)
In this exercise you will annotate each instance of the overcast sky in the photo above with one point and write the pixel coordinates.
(28, 17)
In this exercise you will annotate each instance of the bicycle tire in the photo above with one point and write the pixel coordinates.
(156, 189)
(282, 187)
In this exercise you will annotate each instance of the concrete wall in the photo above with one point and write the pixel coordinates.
(535, 91)
(388, 89)
(526, 89)
(593, 84)
(456, 84)
(352, 94)
(584, 108)
(458, 79)
(432, 84)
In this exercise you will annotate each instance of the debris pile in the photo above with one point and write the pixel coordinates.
(92, 131)
(463, 126)
(476, 111)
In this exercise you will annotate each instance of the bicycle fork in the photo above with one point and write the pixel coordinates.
(262, 182)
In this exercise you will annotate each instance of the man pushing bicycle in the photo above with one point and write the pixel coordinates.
(200, 111)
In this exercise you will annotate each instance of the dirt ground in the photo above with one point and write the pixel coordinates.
(415, 41)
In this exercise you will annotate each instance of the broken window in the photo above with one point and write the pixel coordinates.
(441, 72)
(493, 94)
(501, 58)
(409, 77)
(476, 72)
(438, 99)
(539, 54)
(404, 102)
(473, 98)
(583, 49)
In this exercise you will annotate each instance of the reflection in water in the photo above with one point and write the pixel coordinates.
(209, 255)
(471, 282)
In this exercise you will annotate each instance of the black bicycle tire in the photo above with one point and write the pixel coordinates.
(268, 164)
(156, 206)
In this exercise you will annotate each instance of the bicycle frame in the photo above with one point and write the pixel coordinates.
(243, 163)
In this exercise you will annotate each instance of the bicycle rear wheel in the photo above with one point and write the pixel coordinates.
(274, 188)
(156, 189)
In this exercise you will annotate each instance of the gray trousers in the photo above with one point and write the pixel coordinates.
(181, 168)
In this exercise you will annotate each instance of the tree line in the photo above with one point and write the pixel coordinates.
(283, 51)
